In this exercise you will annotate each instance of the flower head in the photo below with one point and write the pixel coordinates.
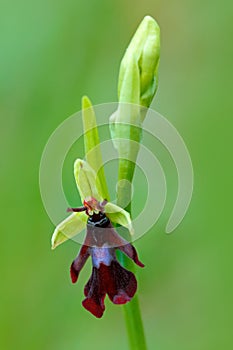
(101, 242)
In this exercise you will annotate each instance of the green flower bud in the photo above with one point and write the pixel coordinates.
(138, 77)
(138, 81)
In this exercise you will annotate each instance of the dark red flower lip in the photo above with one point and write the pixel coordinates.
(115, 281)
(108, 276)
(91, 306)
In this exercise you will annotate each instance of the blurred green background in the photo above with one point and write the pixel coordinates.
(53, 52)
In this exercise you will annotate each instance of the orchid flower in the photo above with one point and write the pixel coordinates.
(101, 242)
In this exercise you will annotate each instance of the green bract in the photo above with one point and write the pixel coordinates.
(92, 144)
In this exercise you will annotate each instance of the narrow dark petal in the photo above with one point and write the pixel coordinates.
(95, 293)
(76, 210)
(121, 284)
(131, 252)
(79, 262)
(115, 240)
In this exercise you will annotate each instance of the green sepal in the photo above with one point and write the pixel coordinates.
(87, 181)
(119, 216)
(69, 228)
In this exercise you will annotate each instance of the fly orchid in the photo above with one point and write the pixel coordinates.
(101, 242)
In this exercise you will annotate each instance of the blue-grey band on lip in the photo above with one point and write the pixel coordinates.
(102, 221)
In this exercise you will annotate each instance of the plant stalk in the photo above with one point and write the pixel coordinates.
(132, 312)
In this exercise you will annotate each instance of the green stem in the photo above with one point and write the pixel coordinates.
(132, 312)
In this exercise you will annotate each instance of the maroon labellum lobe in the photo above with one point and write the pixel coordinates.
(108, 276)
